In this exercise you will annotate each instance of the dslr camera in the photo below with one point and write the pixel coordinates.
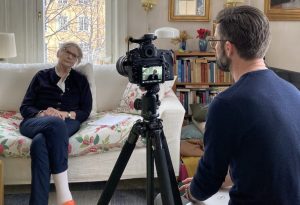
(146, 65)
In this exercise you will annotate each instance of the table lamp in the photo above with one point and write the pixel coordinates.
(8, 46)
(166, 32)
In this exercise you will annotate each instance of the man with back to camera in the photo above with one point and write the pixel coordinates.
(253, 127)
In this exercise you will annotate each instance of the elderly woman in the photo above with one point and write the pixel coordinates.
(57, 101)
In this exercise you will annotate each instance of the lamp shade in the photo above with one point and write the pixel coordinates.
(166, 32)
(7, 45)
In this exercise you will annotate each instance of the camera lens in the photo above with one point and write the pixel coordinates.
(121, 67)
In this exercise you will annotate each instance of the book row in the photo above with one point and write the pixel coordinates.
(197, 70)
(197, 96)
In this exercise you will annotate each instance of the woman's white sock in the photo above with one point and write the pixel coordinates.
(61, 182)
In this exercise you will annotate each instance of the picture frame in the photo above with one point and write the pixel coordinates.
(196, 10)
(281, 10)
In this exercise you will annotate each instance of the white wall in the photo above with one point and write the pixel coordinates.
(283, 51)
(158, 17)
(285, 44)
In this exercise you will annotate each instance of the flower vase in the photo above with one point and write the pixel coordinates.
(203, 44)
(182, 45)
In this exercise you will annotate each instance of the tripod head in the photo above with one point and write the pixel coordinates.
(149, 103)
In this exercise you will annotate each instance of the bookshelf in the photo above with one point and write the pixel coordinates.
(198, 78)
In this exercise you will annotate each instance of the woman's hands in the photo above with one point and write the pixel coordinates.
(50, 111)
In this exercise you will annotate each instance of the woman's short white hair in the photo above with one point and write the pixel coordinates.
(70, 44)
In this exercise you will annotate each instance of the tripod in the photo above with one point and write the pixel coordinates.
(156, 150)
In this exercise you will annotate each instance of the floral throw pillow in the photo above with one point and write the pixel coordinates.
(131, 93)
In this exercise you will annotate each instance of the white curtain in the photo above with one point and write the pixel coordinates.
(116, 27)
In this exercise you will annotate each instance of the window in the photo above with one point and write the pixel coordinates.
(98, 26)
(83, 23)
(46, 52)
(84, 1)
(62, 23)
(86, 49)
(62, 1)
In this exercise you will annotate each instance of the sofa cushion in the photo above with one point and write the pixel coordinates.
(87, 70)
(133, 91)
(102, 138)
(15, 79)
(110, 86)
(89, 139)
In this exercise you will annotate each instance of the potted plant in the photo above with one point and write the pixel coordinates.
(202, 34)
(181, 40)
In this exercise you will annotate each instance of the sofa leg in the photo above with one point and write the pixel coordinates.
(1, 184)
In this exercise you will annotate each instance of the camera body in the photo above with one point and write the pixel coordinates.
(146, 65)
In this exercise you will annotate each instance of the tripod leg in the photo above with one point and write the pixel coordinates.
(162, 170)
(174, 185)
(120, 165)
(150, 172)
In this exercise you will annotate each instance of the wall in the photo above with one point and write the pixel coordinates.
(283, 51)
(138, 20)
(23, 24)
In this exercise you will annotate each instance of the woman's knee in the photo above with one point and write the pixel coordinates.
(55, 126)
(38, 145)
(56, 122)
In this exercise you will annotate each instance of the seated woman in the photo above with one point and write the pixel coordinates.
(57, 101)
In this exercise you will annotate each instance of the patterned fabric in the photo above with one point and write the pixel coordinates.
(131, 93)
(88, 140)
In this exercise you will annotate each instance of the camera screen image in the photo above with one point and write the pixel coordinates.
(152, 74)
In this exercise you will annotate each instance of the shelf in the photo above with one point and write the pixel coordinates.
(194, 53)
(198, 78)
(201, 84)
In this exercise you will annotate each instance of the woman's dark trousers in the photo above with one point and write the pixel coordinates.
(48, 151)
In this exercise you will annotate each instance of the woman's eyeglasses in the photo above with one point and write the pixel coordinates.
(70, 53)
(213, 41)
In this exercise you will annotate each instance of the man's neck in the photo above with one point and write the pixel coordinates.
(241, 67)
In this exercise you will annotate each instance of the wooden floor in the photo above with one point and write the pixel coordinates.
(131, 192)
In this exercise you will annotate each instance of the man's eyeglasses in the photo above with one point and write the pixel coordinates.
(213, 41)
(70, 53)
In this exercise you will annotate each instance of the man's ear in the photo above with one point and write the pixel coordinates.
(229, 48)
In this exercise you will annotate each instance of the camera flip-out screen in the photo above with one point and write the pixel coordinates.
(152, 74)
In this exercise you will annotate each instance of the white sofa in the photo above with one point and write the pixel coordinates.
(96, 152)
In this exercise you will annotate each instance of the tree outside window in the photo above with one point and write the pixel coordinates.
(74, 17)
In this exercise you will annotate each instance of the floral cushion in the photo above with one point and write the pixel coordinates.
(89, 139)
(133, 91)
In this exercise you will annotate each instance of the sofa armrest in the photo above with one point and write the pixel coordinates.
(172, 113)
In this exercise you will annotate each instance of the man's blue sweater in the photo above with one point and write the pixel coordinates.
(253, 127)
(43, 92)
